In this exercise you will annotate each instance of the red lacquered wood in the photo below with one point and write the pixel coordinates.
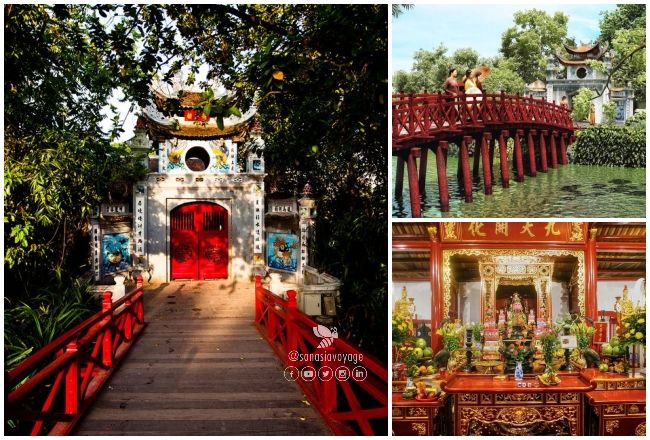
(591, 277)
(542, 151)
(532, 162)
(414, 186)
(72, 369)
(503, 156)
(616, 396)
(464, 158)
(435, 263)
(519, 158)
(487, 171)
(443, 187)
(346, 408)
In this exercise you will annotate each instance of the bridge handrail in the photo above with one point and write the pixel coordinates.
(288, 330)
(56, 385)
(424, 115)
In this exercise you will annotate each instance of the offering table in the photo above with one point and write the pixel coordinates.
(617, 406)
(485, 405)
(413, 417)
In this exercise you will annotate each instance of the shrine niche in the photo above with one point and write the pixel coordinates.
(501, 273)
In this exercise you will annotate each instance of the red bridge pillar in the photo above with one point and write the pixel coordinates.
(503, 155)
(531, 152)
(399, 177)
(464, 159)
(487, 171)
(542, 150)
(414, 189)
(519, 159)
(477, 158)
(563, 157)
(423, 170)
(442, 175)
(553, 150)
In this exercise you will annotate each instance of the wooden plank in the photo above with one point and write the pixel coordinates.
(201, 368)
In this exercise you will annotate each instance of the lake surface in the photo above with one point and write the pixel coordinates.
(577, 191)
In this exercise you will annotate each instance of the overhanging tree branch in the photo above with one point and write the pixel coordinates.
(617, 67)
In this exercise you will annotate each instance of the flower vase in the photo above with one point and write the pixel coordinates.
(519, 371)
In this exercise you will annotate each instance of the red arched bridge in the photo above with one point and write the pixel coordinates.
(423, 122)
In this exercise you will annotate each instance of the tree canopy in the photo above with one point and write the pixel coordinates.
(624, 29)
(535, 36)
(317, 75)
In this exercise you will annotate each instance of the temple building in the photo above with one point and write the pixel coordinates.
(565, 75)
(199, 212)
(518, 328)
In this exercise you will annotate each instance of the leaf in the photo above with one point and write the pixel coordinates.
(234, 111)
(220, 122)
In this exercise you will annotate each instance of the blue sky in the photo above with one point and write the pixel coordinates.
(477, 26)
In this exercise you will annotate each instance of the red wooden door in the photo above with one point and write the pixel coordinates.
(199, 241)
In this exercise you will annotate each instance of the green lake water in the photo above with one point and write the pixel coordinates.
(576, 191)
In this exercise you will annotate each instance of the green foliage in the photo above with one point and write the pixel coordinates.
(609, 112)
(36, 321)
(582, 104)
(637, 121)
(503, 79)
(634, 328)
(624, 29)
(431, 68)
(534, 37)
(611, 146)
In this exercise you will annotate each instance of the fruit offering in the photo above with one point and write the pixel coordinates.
(603, 367)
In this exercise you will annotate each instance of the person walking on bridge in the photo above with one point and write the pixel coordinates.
(451, 88)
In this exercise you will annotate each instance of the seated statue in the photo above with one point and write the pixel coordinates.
(403, 310)
(517, 319)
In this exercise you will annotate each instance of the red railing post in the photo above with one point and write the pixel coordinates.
(107, 342)
(292, 331)
(72, 380)
(411, 118)
(139, 307)
(258, 302)
(128, 319)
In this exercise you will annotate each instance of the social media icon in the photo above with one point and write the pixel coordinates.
(325, 374)
(308, 373)
(291, 374)
(359, 373)
(342, 373)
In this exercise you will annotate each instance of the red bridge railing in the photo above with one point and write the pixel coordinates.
(422, 116)
(348, 406)
(49, 392)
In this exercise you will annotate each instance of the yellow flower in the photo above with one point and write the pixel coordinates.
(627, 324)
(629, 334)
(402, 349)
(638, 335)
(640, 321)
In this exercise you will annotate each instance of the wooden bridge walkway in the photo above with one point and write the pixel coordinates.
(423, 122)
(201, 368)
